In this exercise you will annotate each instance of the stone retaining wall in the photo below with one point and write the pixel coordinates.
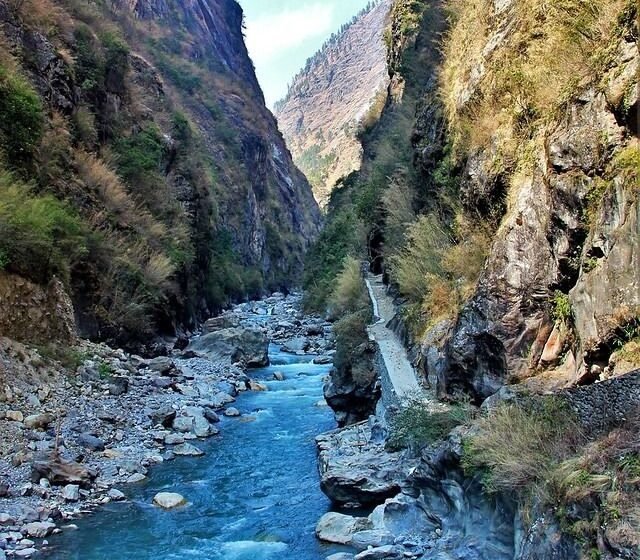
(607, 404)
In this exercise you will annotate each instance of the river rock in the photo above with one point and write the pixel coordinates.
(183, 424)
(61, 473)
(295, 345)
(323, 360)
(118, 386)
(339, 528)
(38, 421)
(278, 376)
(258, 387)
(202, 428)
(187, 450)
(135, 478)
(162, 365)
(14, 415)
(163, 415)
(340, 556)
(71, 492)
(372, 538)
(218, 400)
(247, 345)
(173, 439)
(388, 552)
(89, 441)
(39, 529)
(232, 412)
(355, 469)
(116, 495)
(25, 552)
(211, 416)
(168, 500)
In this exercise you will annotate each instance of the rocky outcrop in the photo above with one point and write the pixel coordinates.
(356, 470)
(33, 313)
(331, 98)
(247, 345)
(353, 389)
(569, 235)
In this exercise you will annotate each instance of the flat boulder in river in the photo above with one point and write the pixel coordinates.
(168, 500)
(236, 344)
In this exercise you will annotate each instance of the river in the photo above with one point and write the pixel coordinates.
(255, 494)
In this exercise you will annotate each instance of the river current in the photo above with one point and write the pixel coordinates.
(255, 494)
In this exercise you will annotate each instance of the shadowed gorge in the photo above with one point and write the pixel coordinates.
(423, 343)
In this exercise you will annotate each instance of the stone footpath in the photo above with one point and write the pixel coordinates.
(73, 439)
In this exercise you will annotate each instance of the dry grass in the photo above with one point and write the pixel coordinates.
(349, 294)
(98, 176)
(507, 76)
(538, 453)
(397, 204)
(519, 446)
(438, 267)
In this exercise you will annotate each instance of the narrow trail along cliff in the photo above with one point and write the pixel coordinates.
(401, 373)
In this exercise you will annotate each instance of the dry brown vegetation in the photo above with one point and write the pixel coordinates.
(438, 267)
(505, 83)
(538, 452)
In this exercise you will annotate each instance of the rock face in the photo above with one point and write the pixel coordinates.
(352, 389)
(330, 97)
(33, 313)
(570, 235)
(354, 469)
(202, 174)
(243, 344)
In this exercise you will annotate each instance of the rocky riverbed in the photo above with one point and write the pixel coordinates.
(72, 440)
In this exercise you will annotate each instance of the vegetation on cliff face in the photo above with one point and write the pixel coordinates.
(139, 163)
(499, 196)
(340, 91)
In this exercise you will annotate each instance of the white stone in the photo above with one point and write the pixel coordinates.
(168, 500)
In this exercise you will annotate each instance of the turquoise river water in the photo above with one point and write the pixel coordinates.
(255, 494)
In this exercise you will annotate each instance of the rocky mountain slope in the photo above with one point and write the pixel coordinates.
(140, 165)
(499, 197)
(333, 97)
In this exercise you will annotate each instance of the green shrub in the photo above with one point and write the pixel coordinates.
(417, 425)
(39, 235)
(21, 118)
(562, 310)
(116, 62)
(140, 155)
(350, 332)
(341, 237)
(349, 294)
(69, 357)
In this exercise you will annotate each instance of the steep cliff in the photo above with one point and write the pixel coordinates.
(340, 91)
(138, 134)
(498, 196)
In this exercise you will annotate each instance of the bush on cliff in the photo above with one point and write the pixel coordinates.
(537, 453)
(21, 118)
(39, 235)
(417, 425)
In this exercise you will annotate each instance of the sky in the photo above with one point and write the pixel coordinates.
(282, 34)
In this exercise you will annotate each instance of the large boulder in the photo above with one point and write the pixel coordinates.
(60, 473)
(236, 344)
(355, 469)
(339, 528)
(168, 500)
